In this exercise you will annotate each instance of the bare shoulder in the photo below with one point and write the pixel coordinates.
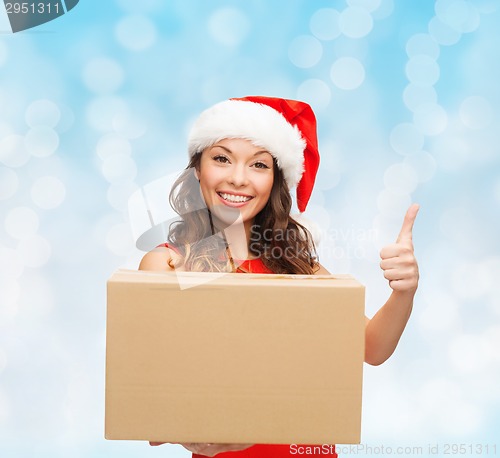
(157, 259)
(321, 270)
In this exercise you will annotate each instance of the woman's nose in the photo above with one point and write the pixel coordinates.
(238, 175)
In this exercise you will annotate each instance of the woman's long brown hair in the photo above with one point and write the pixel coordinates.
(283, 245)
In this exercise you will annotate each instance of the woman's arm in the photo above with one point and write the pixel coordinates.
(157, 259)
(400, 268)
(383, 331)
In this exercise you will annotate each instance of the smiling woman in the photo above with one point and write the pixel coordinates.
(234, 204)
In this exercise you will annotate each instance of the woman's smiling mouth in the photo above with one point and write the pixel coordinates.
(234, 198)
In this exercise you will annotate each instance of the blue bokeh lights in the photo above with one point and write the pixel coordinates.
(96, 105)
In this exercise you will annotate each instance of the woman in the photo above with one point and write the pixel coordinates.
(234, 202)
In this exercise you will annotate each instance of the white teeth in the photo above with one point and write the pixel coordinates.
(233, 198)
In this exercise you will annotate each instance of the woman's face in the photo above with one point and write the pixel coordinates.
(236, 178)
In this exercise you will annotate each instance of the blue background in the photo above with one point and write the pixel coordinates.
(97, 104)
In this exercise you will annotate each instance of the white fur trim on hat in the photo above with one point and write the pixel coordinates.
(261, 124)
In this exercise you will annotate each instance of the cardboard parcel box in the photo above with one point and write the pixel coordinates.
(242, 358)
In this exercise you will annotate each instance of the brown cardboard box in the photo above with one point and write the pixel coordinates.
(242, 358)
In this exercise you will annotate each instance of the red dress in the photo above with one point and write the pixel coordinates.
(269, 450)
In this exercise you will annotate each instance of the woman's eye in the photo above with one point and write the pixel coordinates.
(221, 159)
(261, 165)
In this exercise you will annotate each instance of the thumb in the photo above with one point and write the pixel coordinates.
(405, 235)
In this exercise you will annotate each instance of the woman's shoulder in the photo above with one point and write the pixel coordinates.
(159, 259)
(320, 270)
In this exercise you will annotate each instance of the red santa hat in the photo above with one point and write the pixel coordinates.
(285, 128)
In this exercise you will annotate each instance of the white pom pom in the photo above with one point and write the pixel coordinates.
(311, 226)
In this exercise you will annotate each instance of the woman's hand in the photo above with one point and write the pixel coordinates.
(398, 260)
(209, 449)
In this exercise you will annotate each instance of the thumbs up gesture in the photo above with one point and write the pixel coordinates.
(398, 260)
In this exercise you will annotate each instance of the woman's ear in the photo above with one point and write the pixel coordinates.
(196, 174)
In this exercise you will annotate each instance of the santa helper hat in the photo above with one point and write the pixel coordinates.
(285, 128)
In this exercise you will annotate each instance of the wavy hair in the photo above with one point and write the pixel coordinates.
(283, 244)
